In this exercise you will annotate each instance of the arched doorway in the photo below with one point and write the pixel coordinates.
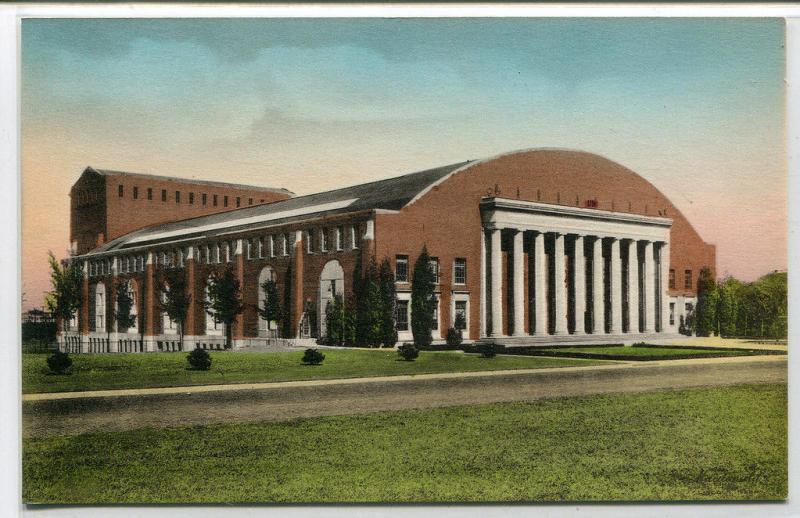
(265, 328)
(331, 283)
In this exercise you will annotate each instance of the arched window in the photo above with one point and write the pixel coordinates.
(100, 307)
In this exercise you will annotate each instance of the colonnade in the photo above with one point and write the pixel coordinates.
(577, 284)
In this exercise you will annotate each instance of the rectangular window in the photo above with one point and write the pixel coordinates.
(163, 195)
(191, 198)
(434, 265)
(356, 237)
(249, 251)
(687, 279)
(401, 318)
(135, 193)
(323, 240)
(436, 313)
(224, 201)
(149, 193)
(310, 241)
(460, 271)
(339, 238)
(672, 313)
(228, 252)
(120, 190)
(271, 244)
(401, 268)
(249, 201)
(214, 202)
(285, 244)
(177, 196)
(204, 198)
(672, 278)
(238, 202)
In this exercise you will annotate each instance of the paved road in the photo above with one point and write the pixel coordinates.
(187, 406)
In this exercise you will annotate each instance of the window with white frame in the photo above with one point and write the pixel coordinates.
(100, 307)
(435, 324)
(249, 252)
(285, 245)
(434, 266)
(356, 236)
(401, 268)
(260, 245)
(401, 315)
(271, 245)
(460, 312)
(339, 238)
(213, 326)
(310, 241)
(459, 270)
(323, 239)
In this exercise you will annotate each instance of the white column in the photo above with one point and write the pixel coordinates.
(649, 289)
(539, 288)
(598, 309)
(633, 287)
(561, 289)
(616, 288)
(663, 292)
(497, 279)
(484, 266)
(519, 285)
(580, 286)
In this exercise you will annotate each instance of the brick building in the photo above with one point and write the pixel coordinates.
(537, 246)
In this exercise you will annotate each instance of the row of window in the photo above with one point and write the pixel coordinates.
(402, 314)
(273, 245)
(687, 279)
(401, 272)
(327, 239)
(204, 197)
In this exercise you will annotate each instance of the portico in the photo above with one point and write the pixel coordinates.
(555, 273)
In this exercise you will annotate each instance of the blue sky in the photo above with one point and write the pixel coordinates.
(694, 105)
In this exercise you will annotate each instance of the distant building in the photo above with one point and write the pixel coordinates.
(538, 246)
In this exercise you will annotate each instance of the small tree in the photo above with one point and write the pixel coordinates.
(334, 321)
(59, 362)
(388, 304)
(175, 297)
(271, 309)
(313, 357)
(408, 352)
(199, 359)
(368, 308)
(423, 301)
(225, 301)
(65, 299)
(124, 314)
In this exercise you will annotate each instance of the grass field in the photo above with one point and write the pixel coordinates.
(619, 352)
(116, 371)
(722, 443)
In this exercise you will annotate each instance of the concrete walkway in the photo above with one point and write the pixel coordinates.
(120, 410)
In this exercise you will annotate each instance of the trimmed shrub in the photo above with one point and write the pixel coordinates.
(408, 352)
(199, 359)
(487, 350)
(59, 362)
(454, 337)
(313, 357)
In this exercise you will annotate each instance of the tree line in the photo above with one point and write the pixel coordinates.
(733, 308)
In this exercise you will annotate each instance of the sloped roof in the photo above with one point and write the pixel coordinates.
(388, 194)
(111, 172)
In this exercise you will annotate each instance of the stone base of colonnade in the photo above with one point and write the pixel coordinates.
(573, 340)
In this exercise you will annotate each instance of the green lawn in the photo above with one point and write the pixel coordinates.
(723, 443)
(116, 371)
(619, 352)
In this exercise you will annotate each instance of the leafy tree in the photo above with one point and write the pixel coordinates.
(225, 301)
(388, 304)
(336, 322)
(727, 301)
(124, 314)
(706, 303)
(175, 297)
(271, 310)
(423, 301)
(64, 301)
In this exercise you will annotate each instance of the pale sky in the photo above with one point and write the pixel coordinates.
(695, 106)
